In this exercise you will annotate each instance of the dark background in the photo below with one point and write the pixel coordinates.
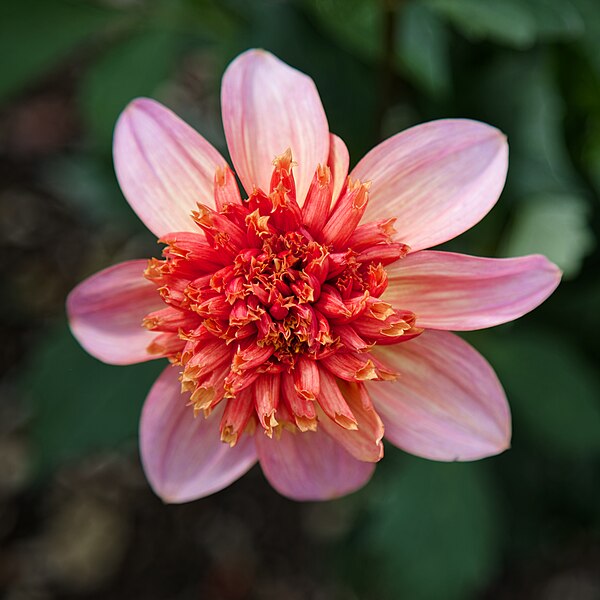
(77, 518)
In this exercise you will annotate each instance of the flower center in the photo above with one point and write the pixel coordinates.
(274, 287)
(267, 293)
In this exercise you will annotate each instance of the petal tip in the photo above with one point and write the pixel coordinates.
(258, 52)
(493, 449)
(251, 54)
(496, 442)
(481, 132)
(552, 267)
(140, 104)
(553, 271)
(481, 448)
(167, 497)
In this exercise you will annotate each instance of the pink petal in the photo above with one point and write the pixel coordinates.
(106, 311)
(438, 179)
(454, 291)
(310, 466)
(164, 166)
(183, 456)
(447, 403)
(269, 107)
(338, 162)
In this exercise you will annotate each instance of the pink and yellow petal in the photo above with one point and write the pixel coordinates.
(338, 162)
(269, 107)
(310, 466)
(106, 311)
(458, 292)
(164, 167)
(438, 179)
(447, 403)
(363, 443)
(183, 457)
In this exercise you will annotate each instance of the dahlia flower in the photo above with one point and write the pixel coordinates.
(305, 318)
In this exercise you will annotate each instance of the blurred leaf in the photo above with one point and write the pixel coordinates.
(584, 299)
(540, 130)
(532, 115)
(556, 19)
(591, 149)
(557, 226)
(136, 67)
(37, 34)
(90, 186)
(553, 390)
(421, 44)
(423, 48)
(590, 41)
(355, 24)
(207, 18)
(506, 22)
(432, 531)
(80, 404)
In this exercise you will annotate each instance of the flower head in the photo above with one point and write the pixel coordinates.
(304, 317)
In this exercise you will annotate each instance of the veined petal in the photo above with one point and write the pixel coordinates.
(338, 162)
(183, 455)
(106, 311)
(267, 108)
(438, 179)
(459, 292)
(164, 166)
(310, 466)
(447, 403)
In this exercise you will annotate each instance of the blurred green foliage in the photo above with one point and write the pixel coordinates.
(559, 413)
(530, 67)
(36, 35)
(431, 531)
(116, 78)
(73, 416)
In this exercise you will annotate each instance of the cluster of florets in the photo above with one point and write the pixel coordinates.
(269, 298)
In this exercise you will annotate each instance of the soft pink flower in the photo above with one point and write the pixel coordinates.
(302, 320)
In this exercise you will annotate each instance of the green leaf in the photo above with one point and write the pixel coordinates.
(591, 148)
(355, 24)
(79, 404)
(553, 390)
(554, 225)
(35, 35)
(89, 185)
(423, 48)
(431, 531)
(133, 68)
(590, 41)
(532, 116)
(207, 19)
(583, 299)
(556, 19)
(421, 38)
(507, 22)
